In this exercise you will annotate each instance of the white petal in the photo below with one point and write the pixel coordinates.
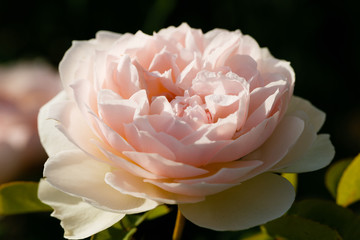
(106, 38)
(316, 116)
(78, 218)
(319, 155)
(277, 145)
(80, 49)
(78, 174)
(51, 138)
(311, 152)
(254, 202)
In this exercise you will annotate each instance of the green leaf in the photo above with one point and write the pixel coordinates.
(333, 175)
(344, 221)
(157, 212)
(20, 197)
(298, 228)
(348, 190)
(115, 232)
(292, 178)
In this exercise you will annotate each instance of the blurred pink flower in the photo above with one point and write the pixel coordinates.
(24, 88)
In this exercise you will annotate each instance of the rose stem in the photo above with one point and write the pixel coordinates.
(179, 226)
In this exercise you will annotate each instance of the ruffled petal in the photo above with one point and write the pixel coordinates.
(254, 202)
(319, 155)
(277, 145)
(130, 184)
(316, 116)
(48, 132)
(69, 65)
(247, 142)
(194, 189)
(77, 174)
(299, 158)
(78, 218)
(164, 167)
(229, 172)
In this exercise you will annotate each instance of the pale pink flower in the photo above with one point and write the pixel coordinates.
(24, 88)
(180, 117)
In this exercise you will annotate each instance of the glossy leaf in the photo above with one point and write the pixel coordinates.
(298, 228)
(348, 190)
(333, 175)
(344, 221)
(20, 197)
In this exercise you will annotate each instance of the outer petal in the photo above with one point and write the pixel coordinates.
(135, 186)
(312, 151)
(316, 117)
(79, 50)
(319, 155)
(51, 138)
(78, 218)
(254, 202)
(76, 173)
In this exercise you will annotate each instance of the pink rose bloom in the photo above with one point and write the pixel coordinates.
(204, 121)
(24, 88)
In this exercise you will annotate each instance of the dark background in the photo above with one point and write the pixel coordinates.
(320, 39)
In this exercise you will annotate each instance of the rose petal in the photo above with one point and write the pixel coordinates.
(72, 125)
(78, 218)
(263, 111)
(70, 62)
(144, 141)
(116, 111)
(78, 174)
(277, 145)
(247, 142)
(126, 77)
(254, 202)
(48, 132)
(191, 189)
(243, 65)
(220, 47)
(111, 137)
(164, 167)
(229, 172)
(189, 73)
(134, 186)
(260, 94)
(316, 116)
(169, 124)
(313, 119)
(319, 155)
(120, 161)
